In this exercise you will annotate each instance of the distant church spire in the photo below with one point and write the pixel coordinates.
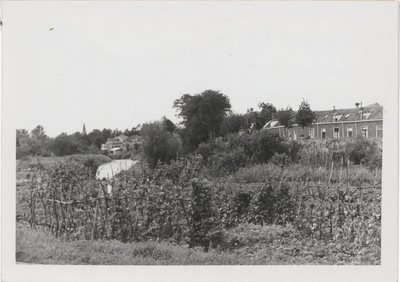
(84, 130)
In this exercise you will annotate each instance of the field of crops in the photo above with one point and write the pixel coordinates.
(322, 210)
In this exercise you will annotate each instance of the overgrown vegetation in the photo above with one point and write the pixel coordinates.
(319, 194)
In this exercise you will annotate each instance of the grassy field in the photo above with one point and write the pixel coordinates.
(256, 245)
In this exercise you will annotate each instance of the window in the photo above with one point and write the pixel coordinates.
(311, 133)
(364, 131)
(323, 133)
(349, 132)
(294, 135)
(379, 131)
(337, 117)
(336, 133)
(365, 115)
(347, 115)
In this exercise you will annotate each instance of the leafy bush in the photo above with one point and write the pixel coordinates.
(281, 160)
(206, 150)
(159, 144)
(227, 162)
(292, 149)
(262, 145)
(365, 152)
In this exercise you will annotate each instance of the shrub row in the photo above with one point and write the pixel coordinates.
(262, 147)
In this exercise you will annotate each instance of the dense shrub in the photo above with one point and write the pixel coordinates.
(208, 149)
(241, 150)
(262, 146)
(281, 160)
(227, 162)
(292, 149)
(365, 152)
(159, 144)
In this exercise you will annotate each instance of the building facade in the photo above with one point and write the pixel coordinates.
(343, 123)
(113, 145)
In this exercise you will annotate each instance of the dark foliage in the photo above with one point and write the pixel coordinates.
(202, 116)
(159, 145)
(365, 152)
(305, 116)
(286, 117)
(233, 123)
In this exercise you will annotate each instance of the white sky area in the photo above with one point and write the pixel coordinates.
(118, 64)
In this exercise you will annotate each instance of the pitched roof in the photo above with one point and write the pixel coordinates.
(122, 136)
(374, 111)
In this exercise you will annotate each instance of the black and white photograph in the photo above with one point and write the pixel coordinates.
(200, 140)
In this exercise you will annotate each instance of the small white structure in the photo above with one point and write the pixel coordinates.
(109, 170)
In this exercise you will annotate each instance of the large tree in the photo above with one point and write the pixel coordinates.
(259, 119)
(38, 141)
(233, 123)
(168, 125)
(64, 144)
(268, 111)
(286, 117)
(305, 116)
(202, 115)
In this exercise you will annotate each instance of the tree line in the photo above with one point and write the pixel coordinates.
(204, 116)
(37, 143)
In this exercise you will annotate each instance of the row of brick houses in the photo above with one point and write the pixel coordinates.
(337, 123)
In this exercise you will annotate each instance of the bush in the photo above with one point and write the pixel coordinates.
(365, 152)
(222, 163)
(159, 144)
(293, 149)
(262, 146)
(281, 160)
(206, 150)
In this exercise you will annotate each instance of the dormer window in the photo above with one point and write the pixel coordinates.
(347, 115)
(337, 117)
(365, 115)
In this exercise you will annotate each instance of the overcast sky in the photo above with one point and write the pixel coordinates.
(118, 64)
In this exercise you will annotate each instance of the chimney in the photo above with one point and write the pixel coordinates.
(251, 109)
(334, 108)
